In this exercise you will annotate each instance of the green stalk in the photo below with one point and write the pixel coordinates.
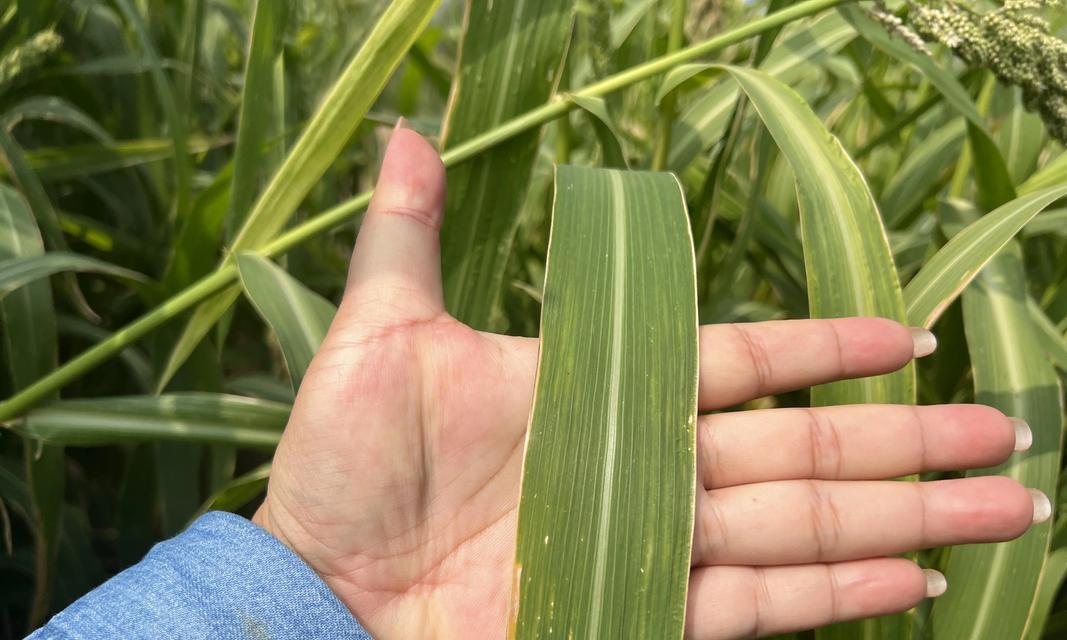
(227, 273)
(668, 109)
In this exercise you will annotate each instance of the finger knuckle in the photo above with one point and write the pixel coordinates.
(824, 519)
(759, 359)
(424, 216)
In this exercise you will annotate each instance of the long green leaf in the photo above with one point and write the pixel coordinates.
(325, 136)
(1053, 574)
(510, 60)
(606, 514)
(850, 270)
(182, 417)
(994, 586)
(257, 105)
(946, 274)
(55, 164)
(298, 316)
(21, 271)
(28, 323)
(44, 213)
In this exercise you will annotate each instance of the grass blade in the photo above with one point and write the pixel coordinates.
(238, 492)
(22, 271)
(606, 514)
(510, 61)
(180, 417)
(850, 270)
(29, 351)
(921, 173)
(298, 316)
(612, 155)
(1052, 576)
(946, 274)
(994, 586)
(257, 105)
(319, 145)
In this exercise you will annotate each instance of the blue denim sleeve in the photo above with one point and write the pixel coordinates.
(224, 578)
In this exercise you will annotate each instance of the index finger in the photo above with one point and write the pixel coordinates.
(744, 361)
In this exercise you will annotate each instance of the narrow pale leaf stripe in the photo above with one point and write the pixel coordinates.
(510, 60)
(22, 271)
(850, 270)
(298, 315)
(994, 586)
(946, 274)
(605, 518)
(325, 136)
(181, 417)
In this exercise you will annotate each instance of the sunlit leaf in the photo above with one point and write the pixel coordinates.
(605, 518)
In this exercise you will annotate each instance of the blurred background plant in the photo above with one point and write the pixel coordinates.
(138, 136)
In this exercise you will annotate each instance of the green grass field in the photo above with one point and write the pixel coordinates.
(180, 176)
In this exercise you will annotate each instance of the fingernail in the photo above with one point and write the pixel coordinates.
(923, 342)
(935, 583)
(1024, 438)
(402, 123)
(1042, 506)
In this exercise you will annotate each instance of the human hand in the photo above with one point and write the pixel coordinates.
(397, 478)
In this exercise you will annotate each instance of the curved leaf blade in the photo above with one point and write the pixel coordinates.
(298, 316)
(850, 270)
(22, 271)
(946, 274)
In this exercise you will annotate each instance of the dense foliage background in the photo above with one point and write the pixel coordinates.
(121, 129)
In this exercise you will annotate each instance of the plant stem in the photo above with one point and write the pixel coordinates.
(668, 109)
(227, 273)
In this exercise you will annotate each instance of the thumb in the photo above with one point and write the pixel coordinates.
(396, 264)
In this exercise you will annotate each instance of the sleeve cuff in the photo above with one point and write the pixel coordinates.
(224, 578)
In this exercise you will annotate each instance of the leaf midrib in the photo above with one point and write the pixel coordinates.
(618, 301)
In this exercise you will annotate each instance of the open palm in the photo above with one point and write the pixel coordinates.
(397, 477)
